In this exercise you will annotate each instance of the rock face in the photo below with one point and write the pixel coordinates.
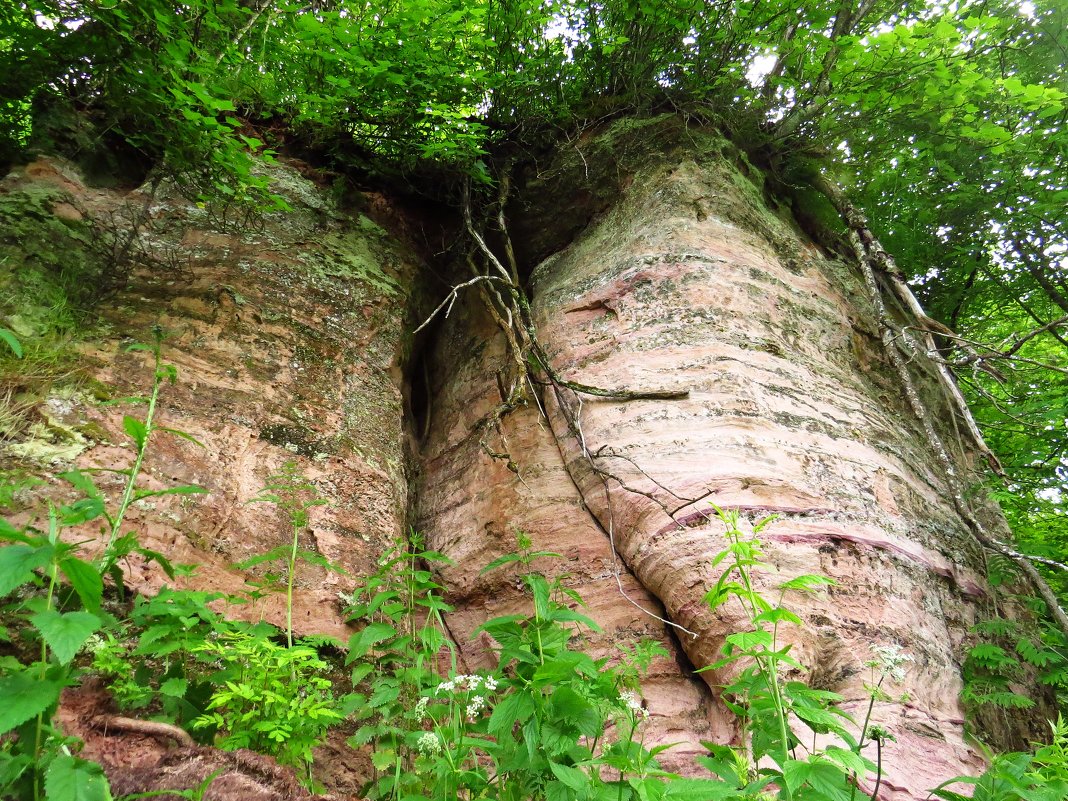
(289, 334)
(658, 262)
(688, 280)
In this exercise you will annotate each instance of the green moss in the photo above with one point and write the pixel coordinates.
(48, 277)
(356, 256)
(369, 226)
(50, 274)
(93, 431)
(43, 258)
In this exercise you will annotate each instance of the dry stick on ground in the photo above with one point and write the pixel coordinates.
(869, 254)
(110, 723)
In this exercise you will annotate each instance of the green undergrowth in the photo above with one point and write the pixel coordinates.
(1006, 654)
(48, 266)
(548, 721)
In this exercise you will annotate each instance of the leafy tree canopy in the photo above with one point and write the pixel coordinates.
(946, 120)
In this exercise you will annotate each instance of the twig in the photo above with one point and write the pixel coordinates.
(451, 298)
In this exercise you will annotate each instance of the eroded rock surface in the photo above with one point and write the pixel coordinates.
(290, 336)
(661, 264)
(687, 280)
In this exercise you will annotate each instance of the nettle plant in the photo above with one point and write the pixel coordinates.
(549, 722)
(393, 658)
(229, 683)
(773, 758)
(55, 596)
(293, 495)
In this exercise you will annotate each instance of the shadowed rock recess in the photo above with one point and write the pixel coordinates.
(657, 261)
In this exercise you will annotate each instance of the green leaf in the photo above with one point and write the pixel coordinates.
(827, 779)
(382, 695)
(183, 435)
(81, 511)
(383, 759)
(81, 481)
(517, 707)
(86, 581)
(175, 688)
(949, 795)
(276, 553)
(572, 777)
(159, 559)
(12, 342)
(750, 640)
(807, 583)
(65, 633)
(72, 779)
(361, 643)
(701, 790)
(778, 615)
(565, 615)
(185, 489)
(10, 533)
(500, 561)
(137, 431)
(847, 760)
(25, 696)
(17, 563)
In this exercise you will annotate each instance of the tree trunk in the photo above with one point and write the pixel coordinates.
(657, 261)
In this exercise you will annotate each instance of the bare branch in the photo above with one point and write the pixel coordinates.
(450, 299)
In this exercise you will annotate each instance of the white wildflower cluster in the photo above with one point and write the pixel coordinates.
(474, 686)
(420, 708)
(633, 703)
(890, 661)
(474, 706)
(468, 683)
(93, 645)
(428, 744)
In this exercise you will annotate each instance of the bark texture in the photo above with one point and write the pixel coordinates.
(657, 261)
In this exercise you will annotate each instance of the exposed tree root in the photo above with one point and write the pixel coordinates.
(117, 723)
(529, 367)
(871, 256)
